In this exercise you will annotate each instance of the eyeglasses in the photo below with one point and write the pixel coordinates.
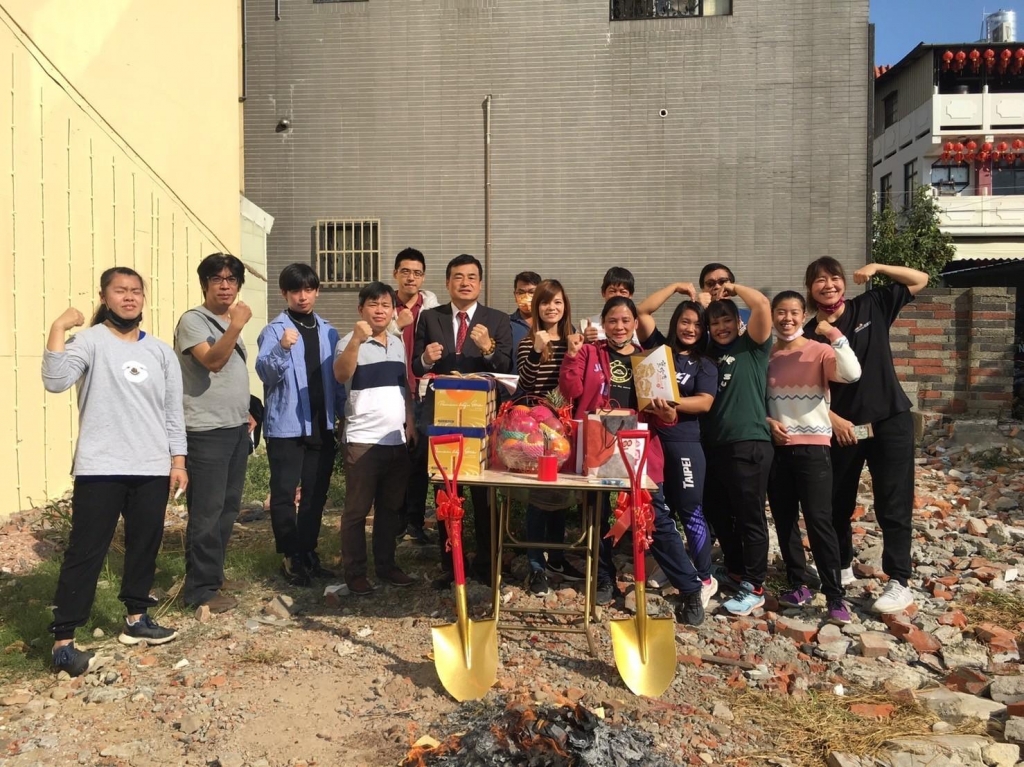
(715, 283)
(218, 280)
(410, 272)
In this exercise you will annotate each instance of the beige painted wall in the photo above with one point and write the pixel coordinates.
(119, 144)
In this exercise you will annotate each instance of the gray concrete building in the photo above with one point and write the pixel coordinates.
(720, 130)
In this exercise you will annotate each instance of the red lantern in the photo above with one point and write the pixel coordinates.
(1002, 146)
(958, 146)
(975, 57)
(983, 156)
(996, 156)
(1004, 59)
(990, 59)
(1019, 54)
(986, 147)
(971, 145)
(947, 59)
(947, 147)
(1018, 144)
(958, 61)
(959, 157)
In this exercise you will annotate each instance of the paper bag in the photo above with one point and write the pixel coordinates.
(654, 376)
(601, 456)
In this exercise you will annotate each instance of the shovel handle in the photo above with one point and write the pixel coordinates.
(451, 488)
(636, 483)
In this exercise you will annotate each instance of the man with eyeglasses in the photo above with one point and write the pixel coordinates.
(371, 363)
(464, 336)
(523, 287)
(208, 342)
(712, 277)
(410, 270)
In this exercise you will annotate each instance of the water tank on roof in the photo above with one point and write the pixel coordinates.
(1001, 27)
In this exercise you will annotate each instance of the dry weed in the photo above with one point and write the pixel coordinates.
(998, 607)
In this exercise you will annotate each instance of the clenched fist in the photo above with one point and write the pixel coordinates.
(481, 337)
(404, 318)
(239, 314)
(823, 327)
(361, 331)
(576, 341)
(71, 318)
(289, 338)
(432, 353)
(540, 340)
(865, 273)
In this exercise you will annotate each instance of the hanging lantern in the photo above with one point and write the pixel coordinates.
(1004, 59)
(947, 59)
(947, 147)
(958, 146)
(990, 59)
(971, 145)
(959, 157)
(1002, 146)
(1018, 144)
(986, 147)
(984, 156)
(996, 156)
(975, 57)
(958, 61)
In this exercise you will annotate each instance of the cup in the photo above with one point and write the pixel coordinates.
(547, 468)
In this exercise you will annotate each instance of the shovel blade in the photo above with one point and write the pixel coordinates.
(467, 666)
(654, 676)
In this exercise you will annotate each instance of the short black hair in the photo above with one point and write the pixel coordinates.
(722, 308)
(789, 295)
(618, 275)
(375, 291)
(215, 263)
(708, 268)
(410, 254)
(463, 260)
(527, 278)
(298, 277)
(616, 301)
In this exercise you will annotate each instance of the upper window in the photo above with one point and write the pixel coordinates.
(1007, 180)
(950, 179)
(627, 10)
(347, 253)
(885, 192)
(909, 181)
(890, 107)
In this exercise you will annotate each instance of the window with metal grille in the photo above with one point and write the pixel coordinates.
(347, 252)
(628, 10)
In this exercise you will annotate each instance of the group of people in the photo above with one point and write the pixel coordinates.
(792, 420)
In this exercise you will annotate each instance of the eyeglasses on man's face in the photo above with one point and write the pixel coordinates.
(710, 283)
(410, 273)
(219, 279)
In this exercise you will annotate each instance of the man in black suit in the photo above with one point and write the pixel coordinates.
(464, 337)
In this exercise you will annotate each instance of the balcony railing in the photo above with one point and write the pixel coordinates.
(996, 212)
(954, 113)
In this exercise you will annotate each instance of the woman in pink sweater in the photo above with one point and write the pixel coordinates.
(799, 372)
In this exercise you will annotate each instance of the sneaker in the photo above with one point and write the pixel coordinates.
(539, 584)
(657, 579)
(690, 610)
(221, 603)
(606, 592)
(727, 582)
(797, 597)
(359, 586)
(145, 629)
(895, 599)
(708, 589)
(747, 599)
(415, 535)
(838, 613)
(566, 571)
(72, 660)
(396, 577)
(315, 568)
(846, 576)
(294, 571)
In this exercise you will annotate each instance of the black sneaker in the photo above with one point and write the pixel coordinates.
(606, 592)
(294, 571)
(539, 584)
(415, 535)
(75, 662)
(566, 571)
(145, 630)
(315, 569)
(690, 610)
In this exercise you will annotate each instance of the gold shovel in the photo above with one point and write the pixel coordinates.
(465, 652)
(644, 648)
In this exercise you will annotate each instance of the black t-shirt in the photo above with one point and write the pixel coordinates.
(622, 392)
(694, 375)
(314, 379)
(865, 322)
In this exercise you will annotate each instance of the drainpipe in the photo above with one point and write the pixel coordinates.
(487, 197)
(244, 62)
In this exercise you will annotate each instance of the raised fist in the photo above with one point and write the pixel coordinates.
(289, 338)
(71, 318)
(433, 352)
(239, 314)
(405, 318)
(362, 331)
(823, 327)
(481, 337)
(576, 341)
(540, 340)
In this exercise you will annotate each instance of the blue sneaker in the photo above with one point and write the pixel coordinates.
(747, 599)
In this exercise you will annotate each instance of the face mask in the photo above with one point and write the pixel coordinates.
(834, 307)
(525, 304)
(616, 346)
(121, 323)
(799, 332)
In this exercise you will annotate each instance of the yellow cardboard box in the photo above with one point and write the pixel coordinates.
(464, 402)
(475, 446)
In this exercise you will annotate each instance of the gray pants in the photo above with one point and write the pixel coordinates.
(216, 476)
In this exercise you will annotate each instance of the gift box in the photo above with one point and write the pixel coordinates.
(475, 448)
(601, 456)
(654, 376)
(465, 402)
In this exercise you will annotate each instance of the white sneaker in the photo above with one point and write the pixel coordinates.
(895, 599)
(846, 576)
(707, 590)
(657, 579)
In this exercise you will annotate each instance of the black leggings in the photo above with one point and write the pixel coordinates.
(96, 505)
(684, 491)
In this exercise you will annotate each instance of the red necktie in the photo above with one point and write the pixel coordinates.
(460, 339)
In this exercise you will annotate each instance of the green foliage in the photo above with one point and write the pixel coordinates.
(257, 481)
(911, 236)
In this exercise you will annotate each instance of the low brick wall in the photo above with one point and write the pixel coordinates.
(953, 349)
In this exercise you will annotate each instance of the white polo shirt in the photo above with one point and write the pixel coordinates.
(377, 393)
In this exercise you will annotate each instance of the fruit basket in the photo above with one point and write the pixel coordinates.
(524, 432)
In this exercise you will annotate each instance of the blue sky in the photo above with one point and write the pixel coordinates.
(902, 24)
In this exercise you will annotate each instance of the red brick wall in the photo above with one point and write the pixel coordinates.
(953, 349)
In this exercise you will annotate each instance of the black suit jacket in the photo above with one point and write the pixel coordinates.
(435, 326)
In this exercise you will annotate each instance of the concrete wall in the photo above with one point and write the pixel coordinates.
(119, 145)
(759, 161)
(953, 349)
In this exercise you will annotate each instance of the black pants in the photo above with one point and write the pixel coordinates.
(293, 462)
(96, 505)
(684, 491)
(734, 495)
(414, 509)
(482, 530)
(890, 459)
(216, 476)
(374, 477)
(801, 477)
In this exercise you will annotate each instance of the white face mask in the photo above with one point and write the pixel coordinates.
(799, 332)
